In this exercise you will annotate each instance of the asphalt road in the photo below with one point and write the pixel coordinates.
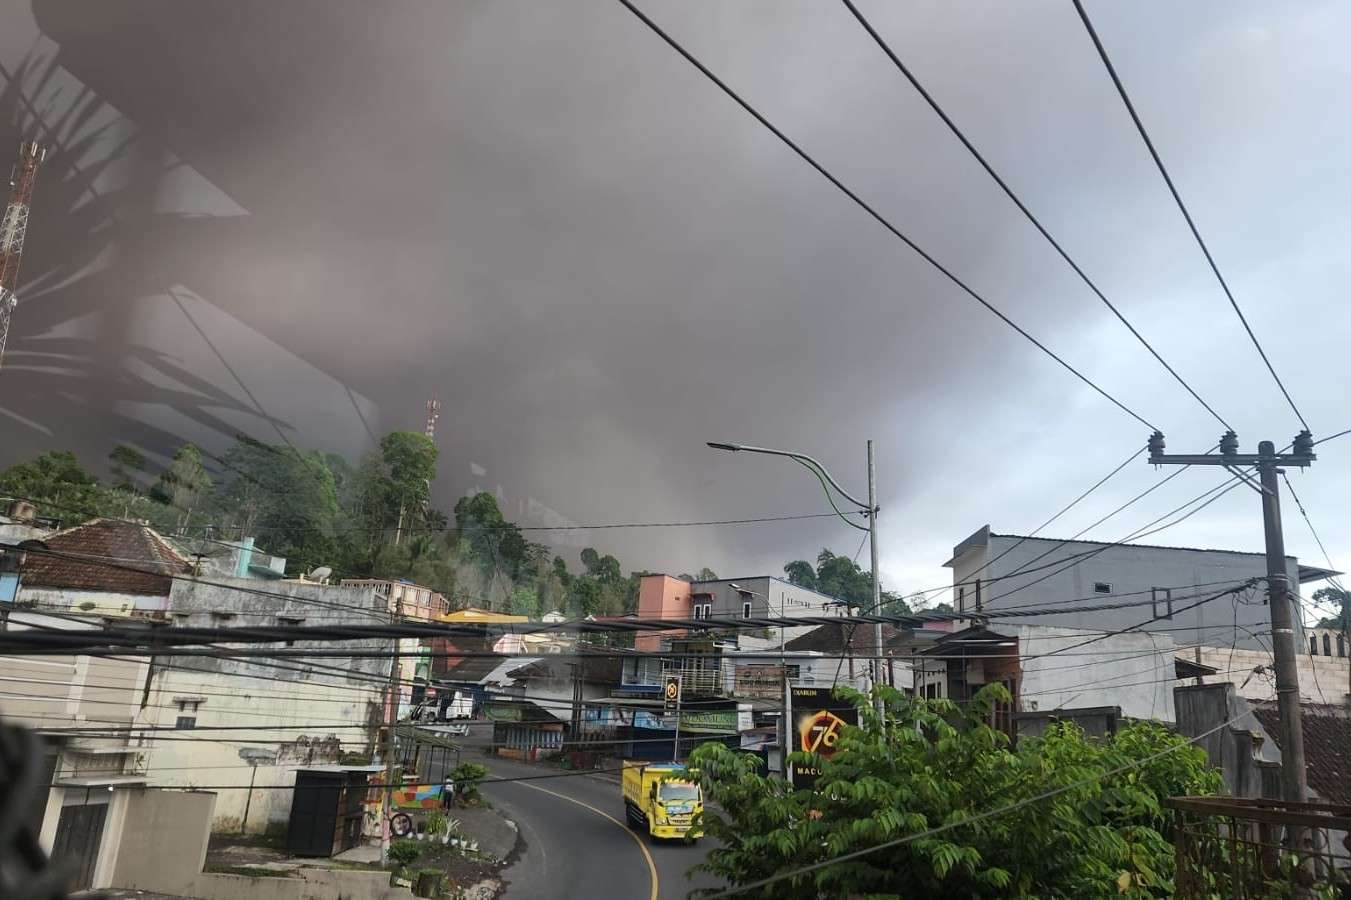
(577, 845)
(576, 842)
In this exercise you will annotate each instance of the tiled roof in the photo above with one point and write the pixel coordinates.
(1327, 747)
(103, 555)
(831, 638)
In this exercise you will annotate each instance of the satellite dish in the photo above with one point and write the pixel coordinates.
(320, 573)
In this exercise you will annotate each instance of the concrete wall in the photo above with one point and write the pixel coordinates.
(301, 717)
(1126, 569)
(55, 692)
(163, 840)
(1322, 679)
(311, 884)
(661, 597)
(1246, 757)
(1134, 671)
(103, 603)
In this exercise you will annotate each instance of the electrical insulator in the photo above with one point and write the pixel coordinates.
(1156, 444)
(1303, 445)
(1228, 443)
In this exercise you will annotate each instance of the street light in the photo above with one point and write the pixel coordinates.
(870, 509)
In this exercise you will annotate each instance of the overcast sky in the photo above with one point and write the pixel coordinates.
(314, 215)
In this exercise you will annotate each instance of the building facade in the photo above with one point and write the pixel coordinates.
(993, 572)
(762, 596)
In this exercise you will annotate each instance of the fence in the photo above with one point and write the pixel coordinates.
(1242, 848)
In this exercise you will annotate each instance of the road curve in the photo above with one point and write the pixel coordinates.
(577, 845)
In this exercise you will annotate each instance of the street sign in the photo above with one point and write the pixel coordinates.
(671, 693)
(818, 721)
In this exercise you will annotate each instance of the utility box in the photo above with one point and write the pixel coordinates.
(327, 809)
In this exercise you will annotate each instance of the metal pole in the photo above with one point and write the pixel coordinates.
(675, 744)
(787, 694)
(876, 667)
(1293, 776)
(391, 719)
(248, 798)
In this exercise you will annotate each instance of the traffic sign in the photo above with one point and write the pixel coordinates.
(671, 693)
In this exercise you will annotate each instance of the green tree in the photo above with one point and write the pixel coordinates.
(61, 487)
(128, 466)
(184, 485)
(285, 499)
(931, 763)
(409, 460)
(1337, 599)
(800, 572)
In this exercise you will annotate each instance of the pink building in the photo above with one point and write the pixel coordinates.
(661, 597)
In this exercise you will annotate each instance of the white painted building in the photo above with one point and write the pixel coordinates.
(997, 572)
(275, 715)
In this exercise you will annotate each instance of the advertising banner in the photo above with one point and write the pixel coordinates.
(817, 721)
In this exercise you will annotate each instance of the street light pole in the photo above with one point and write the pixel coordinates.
(870, 509)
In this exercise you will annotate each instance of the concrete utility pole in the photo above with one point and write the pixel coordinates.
(1294, 779)
(877, 576)
(391, 723)
(870, 509)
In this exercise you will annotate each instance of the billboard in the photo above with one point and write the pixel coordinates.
(817, 721)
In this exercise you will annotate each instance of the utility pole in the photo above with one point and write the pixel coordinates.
(1294, 778)
(870, 509)
(877, 578)
(391, 723)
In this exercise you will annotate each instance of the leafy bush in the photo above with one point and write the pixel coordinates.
(437, 823)
(404, 851)
(929, 763)
(467, 777)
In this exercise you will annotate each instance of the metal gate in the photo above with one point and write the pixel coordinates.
(78, 834)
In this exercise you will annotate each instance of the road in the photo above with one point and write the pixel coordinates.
(576, 842)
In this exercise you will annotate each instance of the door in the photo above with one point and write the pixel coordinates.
(78, 834)
(314, 814)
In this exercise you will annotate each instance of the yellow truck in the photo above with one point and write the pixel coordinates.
(662, 799)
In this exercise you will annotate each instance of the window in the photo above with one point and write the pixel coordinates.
(1101, 587)
(1327, 645)
(1341, 645)
(961, 599)
(708, 610)
(290, 621)
(187, 713)
(792, 673)
(1313, 645)
(745, 609)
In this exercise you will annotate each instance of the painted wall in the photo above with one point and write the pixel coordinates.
(661, 597)
(1133, 671)
(163, 840)
(103, 603)
(1128, 572)
(329, 707)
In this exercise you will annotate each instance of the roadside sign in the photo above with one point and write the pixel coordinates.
(671, 693)
(818, 721)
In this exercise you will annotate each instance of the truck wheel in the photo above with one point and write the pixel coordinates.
(651, 838)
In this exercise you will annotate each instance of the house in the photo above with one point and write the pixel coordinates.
(993, 572)
(107, 567)
(1323, 677)
(405, 600)
(764, 596)
(90, 714)
(1051, 668)
(248, 723)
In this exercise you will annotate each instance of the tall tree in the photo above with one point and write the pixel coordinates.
(128, 466)
(184, 485)
(60, 487)
(410, 465)
(801, 573)
(1337, 599)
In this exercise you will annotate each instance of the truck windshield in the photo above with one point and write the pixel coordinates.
(674, 790)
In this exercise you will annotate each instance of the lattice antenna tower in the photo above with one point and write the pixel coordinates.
(13, 229)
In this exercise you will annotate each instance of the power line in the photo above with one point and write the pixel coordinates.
(862, 204)
(1172, 188)
(1022, 207)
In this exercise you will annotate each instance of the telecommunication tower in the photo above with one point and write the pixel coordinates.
(13, 229)
(433, 413)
